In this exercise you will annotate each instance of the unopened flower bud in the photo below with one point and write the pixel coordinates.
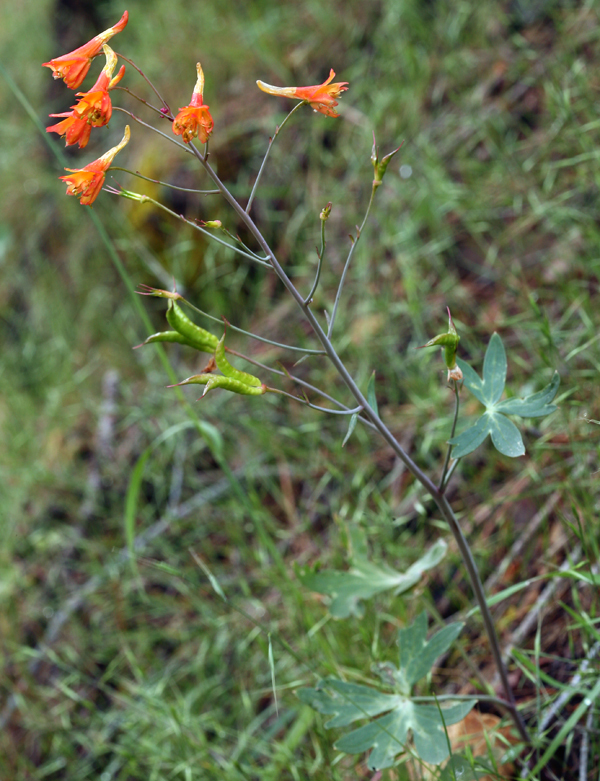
(380, 166)
(326, 212)
(449, 341)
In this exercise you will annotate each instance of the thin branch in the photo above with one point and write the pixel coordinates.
(147, 80)
(171, 140)
(147, 199)
(305, 350)
(267, 153)
(164, 184)
(320, 256)
(347, 264)
(160, 112)
(307, 403)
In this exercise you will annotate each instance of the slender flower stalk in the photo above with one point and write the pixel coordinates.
(73, 67)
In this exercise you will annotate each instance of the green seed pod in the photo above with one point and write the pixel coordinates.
(227, 383)
(165, 336)
(229, 371)
(196, 337)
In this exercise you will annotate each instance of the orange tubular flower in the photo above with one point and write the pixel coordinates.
(322, 97)
(87, 181)
(195, 119)
(73, 67)
(94, 108)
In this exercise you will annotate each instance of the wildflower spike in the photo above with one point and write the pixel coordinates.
(321, 97)
(73, 67)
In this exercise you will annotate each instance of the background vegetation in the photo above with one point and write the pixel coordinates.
(111, 671)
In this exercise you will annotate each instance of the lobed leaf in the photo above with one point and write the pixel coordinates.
(506, 437)
(388, 735)
(366, 579)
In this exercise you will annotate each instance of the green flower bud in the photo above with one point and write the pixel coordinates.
(449, 341)
(326, 212)
(380, 166)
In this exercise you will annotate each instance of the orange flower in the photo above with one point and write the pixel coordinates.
(72, 129)
(94, 108)
(73, 67)
(322, 97)
(195, 119)
(87, 181)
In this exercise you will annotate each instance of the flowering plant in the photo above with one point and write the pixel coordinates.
(94, 109)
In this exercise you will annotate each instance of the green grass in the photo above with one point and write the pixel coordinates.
(153, 675)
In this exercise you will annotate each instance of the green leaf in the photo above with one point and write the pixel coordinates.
(351, 427)
(459, 768)
(371, 397)
(416, 654)
(533, 406)
(494, 370)
(506, 437)
(366, 579)
(388, 735)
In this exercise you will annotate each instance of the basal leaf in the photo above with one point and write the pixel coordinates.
(429, 725)
(347, 702)
(387, 736)
(417, 655)
(365, 579)
(494, 370)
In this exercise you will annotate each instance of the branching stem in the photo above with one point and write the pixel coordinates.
(439, 498)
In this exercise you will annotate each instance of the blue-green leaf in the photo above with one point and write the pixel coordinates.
(371, 397)
(494, 370)
(351, 427)
(533, 406)
(417, 655)
(505, 435)
(365, 579)
(388, 735)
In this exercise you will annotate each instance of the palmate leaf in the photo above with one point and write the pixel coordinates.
(388, 735)
(506, 437)
(365, 579)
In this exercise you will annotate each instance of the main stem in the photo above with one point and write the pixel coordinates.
(435, 492)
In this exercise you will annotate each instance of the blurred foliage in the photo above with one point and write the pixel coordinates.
(491, 208)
